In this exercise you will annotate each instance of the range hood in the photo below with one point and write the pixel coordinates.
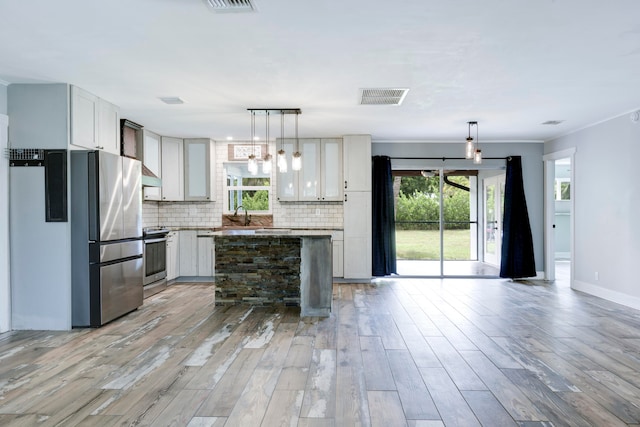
(149, 179)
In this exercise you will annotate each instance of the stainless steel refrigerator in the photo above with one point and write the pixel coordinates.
(106, 237)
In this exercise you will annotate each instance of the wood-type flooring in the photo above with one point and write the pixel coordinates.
(404, 352)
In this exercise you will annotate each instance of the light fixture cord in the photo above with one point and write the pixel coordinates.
(267, 132)
(281, 130)
(297, 142)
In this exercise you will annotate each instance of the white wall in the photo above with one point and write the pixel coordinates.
(607, 208)
(40, 250)
(5, 289)
(532, 170)
(3, 98)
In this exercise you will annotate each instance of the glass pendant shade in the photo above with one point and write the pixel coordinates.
(296, 162)
(252, 165)
(282, 161)
(469, 150)
(267, 164)
(477, 156)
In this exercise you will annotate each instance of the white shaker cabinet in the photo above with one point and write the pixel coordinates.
(199, 169)
(357, 162)
(188, 245)
(331, 166)
(95, 123)
(357, 207)
(320, 178)
(172, 169)
(152, 160)
(205, 255)
(173, 257)
(287, 182)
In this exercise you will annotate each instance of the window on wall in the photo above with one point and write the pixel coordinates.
(563, 189)
(252, 192)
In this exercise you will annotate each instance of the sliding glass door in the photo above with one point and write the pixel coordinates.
(436, 222)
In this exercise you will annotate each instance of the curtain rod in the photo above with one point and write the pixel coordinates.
(447, 158)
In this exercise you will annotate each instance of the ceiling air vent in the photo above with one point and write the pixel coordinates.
(221, 6)
(382, 96)
(552, 122)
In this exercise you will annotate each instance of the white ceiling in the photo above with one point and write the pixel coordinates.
(508, 64)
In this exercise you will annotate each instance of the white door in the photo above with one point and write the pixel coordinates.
(493, 201)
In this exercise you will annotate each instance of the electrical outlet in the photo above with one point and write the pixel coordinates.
(597, 276)
(317, 212)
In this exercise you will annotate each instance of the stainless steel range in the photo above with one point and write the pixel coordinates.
(155, 259)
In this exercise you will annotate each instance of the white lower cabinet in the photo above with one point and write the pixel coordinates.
(205, 255)
(188, 253)
(196, 253)
(357, 235)
(173, 266)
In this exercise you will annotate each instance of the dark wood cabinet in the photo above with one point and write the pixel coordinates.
(131, 139)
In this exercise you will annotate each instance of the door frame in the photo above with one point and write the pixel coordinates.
(5, 281)
(549, 212)
(499, 210)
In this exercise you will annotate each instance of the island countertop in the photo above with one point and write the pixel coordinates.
(261, 232)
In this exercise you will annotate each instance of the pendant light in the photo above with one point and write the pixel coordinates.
(477, 154)
(469, 147)
(296, 161)
(266, 161)
(282, 156)
(252, 164)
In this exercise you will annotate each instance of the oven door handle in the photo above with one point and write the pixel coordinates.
(161, 239)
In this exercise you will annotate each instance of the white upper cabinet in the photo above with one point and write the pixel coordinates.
(320, 178)
(357, 162)
(152, 160)
(199, 169)
(172, 169)
(309, 176)
(287, 181)
(331, 167)
(95, 123)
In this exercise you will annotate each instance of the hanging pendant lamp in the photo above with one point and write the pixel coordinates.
(267, 160)
(252, 164)
(296, 161)
(282, 156)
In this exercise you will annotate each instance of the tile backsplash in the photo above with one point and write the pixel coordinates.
(209, 214)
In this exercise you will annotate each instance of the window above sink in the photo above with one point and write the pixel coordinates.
(244, 191)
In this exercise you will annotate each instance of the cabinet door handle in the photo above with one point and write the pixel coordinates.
(345, 197)
(345, 185)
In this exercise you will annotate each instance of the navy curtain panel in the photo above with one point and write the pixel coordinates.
(517, 260)
(384, 222)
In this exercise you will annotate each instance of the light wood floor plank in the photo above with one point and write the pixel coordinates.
(386, 409)
(415, 352)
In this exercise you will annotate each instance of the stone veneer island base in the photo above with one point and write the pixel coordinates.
(268, 267)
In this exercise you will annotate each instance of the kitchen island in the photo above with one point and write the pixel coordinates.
(275, 266)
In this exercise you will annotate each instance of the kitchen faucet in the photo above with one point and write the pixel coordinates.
(247, 217)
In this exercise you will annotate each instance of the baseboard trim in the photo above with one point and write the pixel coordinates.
(608, 294)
